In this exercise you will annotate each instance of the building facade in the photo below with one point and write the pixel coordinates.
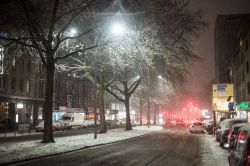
(21, 90)
(232, 54)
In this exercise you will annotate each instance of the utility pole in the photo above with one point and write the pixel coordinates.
(140, 112)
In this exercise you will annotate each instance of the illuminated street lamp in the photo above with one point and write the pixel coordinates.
(72, 32)
(118, 29)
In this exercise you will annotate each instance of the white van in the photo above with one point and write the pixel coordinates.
(72, 119)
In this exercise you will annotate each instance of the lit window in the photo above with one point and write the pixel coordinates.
(21, 85)
(14, 62)
(13, 84)
(28, 86)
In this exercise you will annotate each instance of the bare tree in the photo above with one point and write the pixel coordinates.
(44, 27)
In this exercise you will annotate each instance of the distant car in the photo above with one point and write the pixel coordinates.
(180, 123)
(209, 126)
(196, 127)
(239, 155)
(56, 125)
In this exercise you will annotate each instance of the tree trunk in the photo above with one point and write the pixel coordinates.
(155, 114)
(148, 118)
(101, 92)
(48, 133)
(128, 121)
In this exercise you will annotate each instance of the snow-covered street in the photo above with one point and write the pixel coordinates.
(31, 149)
(208, 150)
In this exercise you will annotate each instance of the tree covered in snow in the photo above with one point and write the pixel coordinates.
(45, 28)
(157, 39)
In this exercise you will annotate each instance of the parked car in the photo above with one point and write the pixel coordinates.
(224, 129)
(73, 119)
(56, 125)
(232, 134)
(196, 127)
(239, 155)
(111, 122)
(209, 126)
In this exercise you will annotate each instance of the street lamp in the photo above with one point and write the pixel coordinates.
(118, 29)
(72, 32)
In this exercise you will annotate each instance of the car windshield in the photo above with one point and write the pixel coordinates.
(197, 124)
(66, 118)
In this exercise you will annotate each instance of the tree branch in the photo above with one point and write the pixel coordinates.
(133, 87)
(74, 52)
(113, 94)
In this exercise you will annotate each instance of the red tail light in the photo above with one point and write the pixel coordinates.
(242, 136)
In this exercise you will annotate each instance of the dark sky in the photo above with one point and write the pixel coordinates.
(203, 71)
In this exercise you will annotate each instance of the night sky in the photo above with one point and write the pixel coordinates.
(203, 71)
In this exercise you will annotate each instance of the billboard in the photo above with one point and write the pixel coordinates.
(222, 93)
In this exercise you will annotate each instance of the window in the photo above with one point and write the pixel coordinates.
(2, 83)
(14, 62)
(247, 67)
(69, 100)
(13, 84)
(54, 97)
(29, 67)
(28, 86)
(21, 85)
(246, 45)
(248, 87)
(1, 52)
(79, 100)
(22, 67)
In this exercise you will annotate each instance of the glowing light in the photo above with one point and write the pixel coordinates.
(159, 76)
(117, 29)
(16, 118)
(20, 105)
(73, 31)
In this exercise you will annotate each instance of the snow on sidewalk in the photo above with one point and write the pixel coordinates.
(212, 153)
(10, 152)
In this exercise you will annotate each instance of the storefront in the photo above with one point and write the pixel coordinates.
(19, 110)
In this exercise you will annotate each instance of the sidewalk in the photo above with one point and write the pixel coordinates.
(212, 153)
(12, 152)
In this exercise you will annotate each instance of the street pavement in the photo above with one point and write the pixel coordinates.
(173, 147)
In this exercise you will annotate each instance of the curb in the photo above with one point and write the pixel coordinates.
(75, 150)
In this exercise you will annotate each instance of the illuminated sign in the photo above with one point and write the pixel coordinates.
(244, 105)
(221, 94)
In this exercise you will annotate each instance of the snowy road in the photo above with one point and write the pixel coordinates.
(173, 147)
